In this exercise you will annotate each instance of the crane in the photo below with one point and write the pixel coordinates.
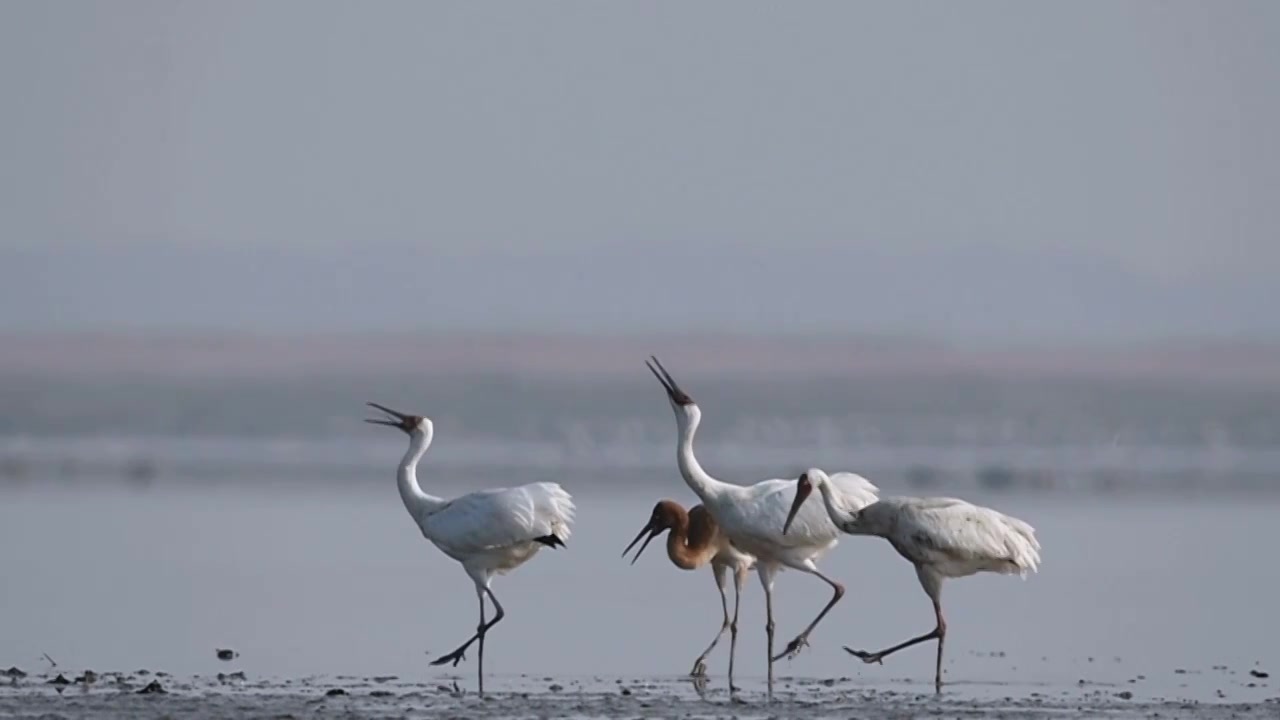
(694, 541)
(752, 515)
(491, 532)
(943, 537)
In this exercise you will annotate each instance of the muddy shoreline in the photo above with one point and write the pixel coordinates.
(231, 695)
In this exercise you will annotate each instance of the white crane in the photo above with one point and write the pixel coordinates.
(752, 516)
(695, 541)
(943, 537)
(490, 532)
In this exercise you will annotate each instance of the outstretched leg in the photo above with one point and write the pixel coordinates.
(700, 665)
(932, 585)
(801, 640)
(457, 656)
(739, 579)
(766, 573)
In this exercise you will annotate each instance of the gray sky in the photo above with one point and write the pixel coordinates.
(975, 171)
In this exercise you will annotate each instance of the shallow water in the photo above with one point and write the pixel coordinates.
(120, 696)
(1169, 600)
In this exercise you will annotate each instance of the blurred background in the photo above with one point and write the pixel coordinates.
(1023, 253)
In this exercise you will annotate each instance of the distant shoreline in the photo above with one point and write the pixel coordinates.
(204, 355)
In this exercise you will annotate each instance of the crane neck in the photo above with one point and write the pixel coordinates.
(416, 501)
(691, 542)
(841, 517)
(700, 481)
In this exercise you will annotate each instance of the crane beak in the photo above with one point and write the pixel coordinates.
(678, 396)
(803, 488)
(653, 533)
(397, 420)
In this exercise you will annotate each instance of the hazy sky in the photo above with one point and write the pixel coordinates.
(977, 170)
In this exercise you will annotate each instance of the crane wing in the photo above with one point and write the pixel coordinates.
(964, 532)
(857, 491)
(502, 517)
(770, 501)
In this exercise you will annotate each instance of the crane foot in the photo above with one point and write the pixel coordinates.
(865, 656)
(793, 648)
(454, 657)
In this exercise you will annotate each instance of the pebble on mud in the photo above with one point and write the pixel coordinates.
(555, 687)
(227, 655)
(60, 680)
(1260, 674)
(626, 691)
(1125, 695)
(335, 692)
(15, 673)
(153, 688)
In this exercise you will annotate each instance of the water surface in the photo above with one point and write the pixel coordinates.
(1167, 599)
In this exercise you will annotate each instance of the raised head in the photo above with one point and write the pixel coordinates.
(805, 485)
(665, 516)
(408, 423)
(685, 408)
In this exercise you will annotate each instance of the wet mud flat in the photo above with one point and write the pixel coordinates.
(232, 695)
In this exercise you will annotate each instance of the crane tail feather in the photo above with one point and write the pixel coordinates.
(550, 541)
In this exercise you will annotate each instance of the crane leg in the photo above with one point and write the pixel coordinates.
(768, 628)
(933, 586)
(939, 633)
(801, 640)
(480, 650)
(942, 638)
(766, 579)
(700, 665)
(739, 579)
(459, 655)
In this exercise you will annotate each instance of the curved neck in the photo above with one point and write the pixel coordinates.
(415, 500)
(686, 555)
(698, 480)
(842, 518)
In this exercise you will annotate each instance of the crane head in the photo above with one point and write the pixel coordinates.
(399, 420)
(662, 519)
(677, 396)
(804, 486)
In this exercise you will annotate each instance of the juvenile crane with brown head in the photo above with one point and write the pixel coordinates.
(694, 540)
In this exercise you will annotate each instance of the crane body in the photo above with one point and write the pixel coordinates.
(490, 532)
(751, 516)
(695, 541)
(942, 537)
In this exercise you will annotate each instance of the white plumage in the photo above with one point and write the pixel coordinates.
(490, 532)
(752, 516)
(951, 537)
(943, 537)
(498, 529)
